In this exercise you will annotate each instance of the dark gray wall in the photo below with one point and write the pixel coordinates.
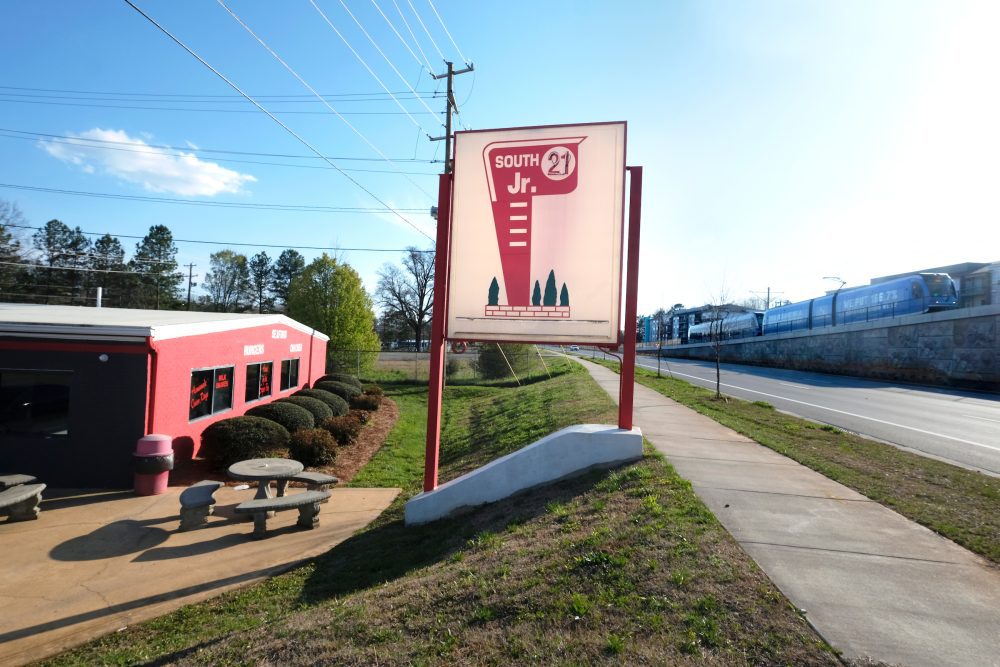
(953, 348)
(107, 417)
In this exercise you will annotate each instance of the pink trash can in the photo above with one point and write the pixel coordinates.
(154, 459)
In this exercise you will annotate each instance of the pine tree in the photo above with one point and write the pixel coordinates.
(536, 296)
(564, 296)
(155, 266)
(261, 276)
(108, 257)
(287, 267)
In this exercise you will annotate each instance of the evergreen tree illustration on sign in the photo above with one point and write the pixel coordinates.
(494, 293)
(536, 296)
(564, 296)
(550, 290)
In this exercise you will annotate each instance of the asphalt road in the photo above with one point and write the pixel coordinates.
(957, 426)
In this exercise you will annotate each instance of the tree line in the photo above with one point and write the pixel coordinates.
(59, 264)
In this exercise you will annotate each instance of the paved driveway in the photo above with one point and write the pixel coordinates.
(94, 563)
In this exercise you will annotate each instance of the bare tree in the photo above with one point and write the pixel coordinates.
(408, 291)
(720, 309)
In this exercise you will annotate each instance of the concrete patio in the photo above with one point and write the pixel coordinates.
(95, 562)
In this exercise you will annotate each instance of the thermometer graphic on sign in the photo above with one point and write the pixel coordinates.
(517, 172)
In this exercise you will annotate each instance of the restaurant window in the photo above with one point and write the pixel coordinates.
(258, 381)
(211, 391)
(289, 374)
(34, 402)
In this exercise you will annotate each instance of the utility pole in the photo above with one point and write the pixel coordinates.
(190, 276)
(767, 303)
(450, 107)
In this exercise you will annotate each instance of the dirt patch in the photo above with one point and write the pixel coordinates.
(350, 458)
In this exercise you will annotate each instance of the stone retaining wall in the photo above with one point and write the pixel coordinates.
(953, 348)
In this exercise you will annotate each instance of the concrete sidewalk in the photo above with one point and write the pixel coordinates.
(871, 582)
(94, 563)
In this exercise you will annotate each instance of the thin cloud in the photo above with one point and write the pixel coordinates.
(153, 168)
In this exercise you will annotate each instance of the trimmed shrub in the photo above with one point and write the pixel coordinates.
(336, 403)
(313, 447)
(345, 391)
(493, 361)
(289, 415)
(368, 402)
(344, 429)
(363, 416)
(346, 378)
(318, 408)
(238, 438)
(374, 390)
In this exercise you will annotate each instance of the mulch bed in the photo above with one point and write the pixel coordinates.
(350, 458)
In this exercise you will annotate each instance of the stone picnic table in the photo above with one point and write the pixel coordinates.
(263, 471)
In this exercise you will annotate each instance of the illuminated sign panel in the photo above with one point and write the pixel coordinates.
(536, 236)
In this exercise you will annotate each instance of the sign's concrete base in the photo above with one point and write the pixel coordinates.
(565, 453)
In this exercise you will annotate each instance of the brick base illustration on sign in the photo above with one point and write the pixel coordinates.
(540, 308)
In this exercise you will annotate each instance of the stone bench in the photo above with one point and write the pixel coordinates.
(196, 504)
(20, 503)
(7, 480)
(306, 502)
(315, 481)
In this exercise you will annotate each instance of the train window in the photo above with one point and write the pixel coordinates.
(939, 285)
(917, 292)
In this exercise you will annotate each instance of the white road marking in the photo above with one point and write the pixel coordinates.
(842, 412)
(518, 217)
(516, 244)
(519, 230)
(519, 204)
(983, 418)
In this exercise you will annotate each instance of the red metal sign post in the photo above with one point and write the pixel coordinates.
(436, 379)
(627, 375)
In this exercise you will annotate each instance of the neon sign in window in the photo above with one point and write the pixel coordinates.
(258, 381)
(211, 391)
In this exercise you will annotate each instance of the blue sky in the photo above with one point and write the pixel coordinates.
(782, 141)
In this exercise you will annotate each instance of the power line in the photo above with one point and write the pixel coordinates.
(260, 97)
(66, 268)
(313, 90)
(145, 108)
(157, 151)
(426, 31)
(393, 27)
(363, 63)
(271, 116)
(222, 99)
(413, 37)
(448, 32)
(215, 150)
(302, 208)
(387, 60)
(241, 243)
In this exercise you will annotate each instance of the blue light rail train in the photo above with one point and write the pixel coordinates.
(918, 293)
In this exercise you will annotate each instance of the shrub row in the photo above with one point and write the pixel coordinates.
(337, 404)
(344, 378)
(308, 425)
(342, 389)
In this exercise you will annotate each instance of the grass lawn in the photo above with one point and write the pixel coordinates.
(614, 567)
(962, 505)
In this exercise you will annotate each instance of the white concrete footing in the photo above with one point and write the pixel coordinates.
(565, 453)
